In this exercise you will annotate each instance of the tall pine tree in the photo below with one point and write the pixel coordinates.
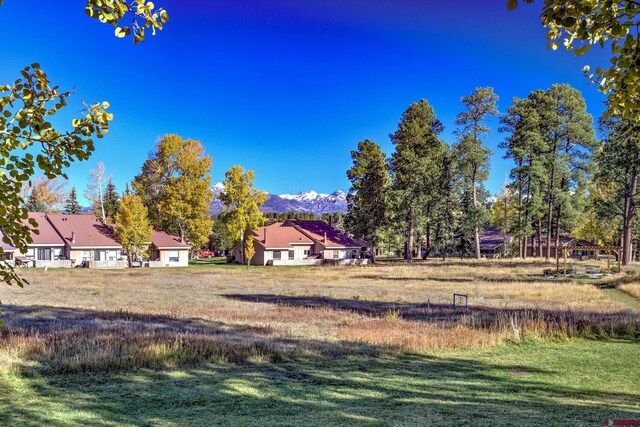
(71, 206)
(472, 158)
(416, 168)
(367, 198)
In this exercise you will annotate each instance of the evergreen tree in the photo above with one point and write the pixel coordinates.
(526, 146)
(619, 166)
(72, 207)
(242, 209)
(367, 198)
(416, 168)
(111, 201)
(472, 158)
(444, 223)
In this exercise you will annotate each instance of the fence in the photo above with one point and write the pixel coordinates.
(105, 264)
(58, 263)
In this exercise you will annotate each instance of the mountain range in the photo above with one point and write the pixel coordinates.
(304, 202)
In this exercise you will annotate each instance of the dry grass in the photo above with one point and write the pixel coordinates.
(81, 320)
(633, 289)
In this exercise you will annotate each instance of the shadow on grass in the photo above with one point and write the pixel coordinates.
(401, 390)
(338, 382)
(518, 321)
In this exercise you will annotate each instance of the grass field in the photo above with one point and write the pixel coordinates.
(219, 344)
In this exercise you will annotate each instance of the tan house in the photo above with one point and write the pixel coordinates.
(297, 242)
(167, 250)
(89, 243)
(47, 248)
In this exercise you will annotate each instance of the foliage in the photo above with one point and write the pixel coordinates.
(25, 127)
(618, 164)
(132, 227)
(174, 186)
(111, 201)
(472, 160)
(551, 138)
(416, 168)
(143, 14)
(71, 206)
(607, 23)
(44, 195)
(242, 208)
(367, 198)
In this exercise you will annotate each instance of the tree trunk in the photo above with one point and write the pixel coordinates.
(410, 237)
(558, 230)
(504, 229)
(427, 236)
(540, 239)
(373, 252)
(629, 211)
(475, 205)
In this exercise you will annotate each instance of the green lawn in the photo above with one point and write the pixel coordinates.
(572, 383)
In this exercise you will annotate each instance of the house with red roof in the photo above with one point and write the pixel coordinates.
(83, 241)
(47, 249)
(167, 250)
(297, 242)
(88, 242)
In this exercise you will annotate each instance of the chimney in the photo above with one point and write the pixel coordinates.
(265, 235)
(73, 237)
(325, 238)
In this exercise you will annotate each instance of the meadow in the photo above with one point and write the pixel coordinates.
(372, 345)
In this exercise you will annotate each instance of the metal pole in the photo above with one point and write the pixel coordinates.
(564, 252)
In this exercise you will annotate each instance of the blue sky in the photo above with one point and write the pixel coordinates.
(286, 87)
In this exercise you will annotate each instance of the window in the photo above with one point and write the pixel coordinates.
(277, 255)
(336, 254)
(58, 253)
(31, 254)
(292, 255)
(307, 252)
(174, 256)
(44, 254)
(97, 256)
(86, 255)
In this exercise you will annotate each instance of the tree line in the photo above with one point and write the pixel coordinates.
(564, 181)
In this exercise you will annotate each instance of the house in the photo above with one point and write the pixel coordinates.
(330, 242)
(167, 250)
(297, 242)
(492, 243)
(7, 252)
(88, 242)
(83, 241)
(47, 248)
(566, 240)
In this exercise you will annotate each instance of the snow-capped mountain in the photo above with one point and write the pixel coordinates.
(320, 203)
(308, 202)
